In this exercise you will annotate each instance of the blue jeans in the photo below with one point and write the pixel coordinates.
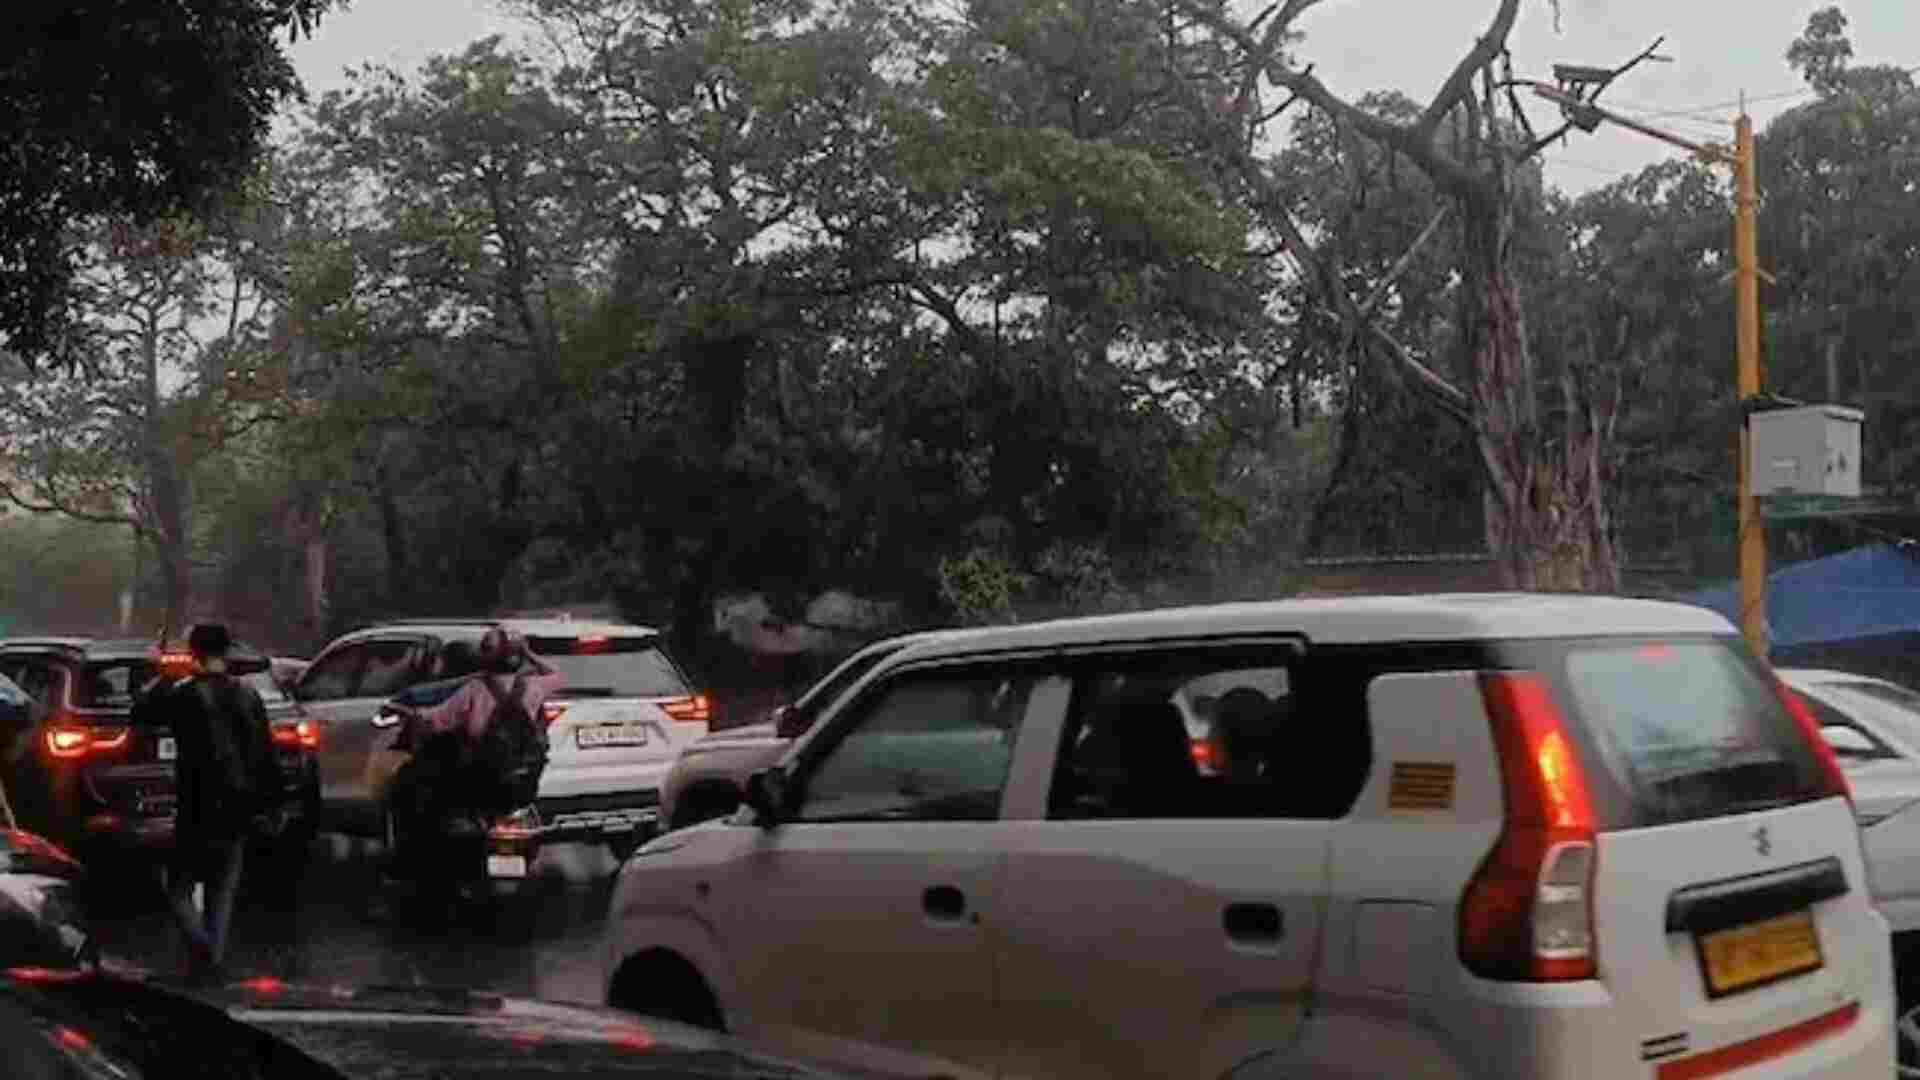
(206, 931)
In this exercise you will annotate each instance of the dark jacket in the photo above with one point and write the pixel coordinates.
(226, 771)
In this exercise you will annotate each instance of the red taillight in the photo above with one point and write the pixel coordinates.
(68, 742)
(1834, 779)
(301, 735)
(1527, 915)
(592, 645)
(1204, 757)
(551, 711)
(688, 710)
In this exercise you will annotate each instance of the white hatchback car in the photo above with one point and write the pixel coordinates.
(1479, 836)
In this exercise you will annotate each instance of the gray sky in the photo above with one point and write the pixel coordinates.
(1721, 48)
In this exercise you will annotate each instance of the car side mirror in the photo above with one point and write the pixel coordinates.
(790, 723)
(766, 795)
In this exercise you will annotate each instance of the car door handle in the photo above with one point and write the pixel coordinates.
(944, 903)
(1253, 924)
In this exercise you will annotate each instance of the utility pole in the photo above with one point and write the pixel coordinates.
(1752, 540)
(1746, 285)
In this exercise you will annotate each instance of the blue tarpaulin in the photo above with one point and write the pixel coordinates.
(1864, 593)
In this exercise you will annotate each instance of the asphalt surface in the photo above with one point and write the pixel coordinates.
(331, 935)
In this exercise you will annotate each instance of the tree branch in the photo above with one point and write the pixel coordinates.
(1459, 83)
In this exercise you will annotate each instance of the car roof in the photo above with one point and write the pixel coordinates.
(89, 647)
(1353, 620)
(455, 628)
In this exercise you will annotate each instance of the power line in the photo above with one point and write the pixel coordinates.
(1644, 111)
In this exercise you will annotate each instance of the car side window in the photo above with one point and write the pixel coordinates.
(334, 675)
(392, 666)
(925, 747)
(38, 680)
(1200, 735)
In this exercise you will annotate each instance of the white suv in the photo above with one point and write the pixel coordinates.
(626, 711)
(1486, 836)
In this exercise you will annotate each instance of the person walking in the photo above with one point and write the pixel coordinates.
(228, 781)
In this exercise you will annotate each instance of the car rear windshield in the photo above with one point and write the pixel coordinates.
(1683, 730)
(111, 684)
(613, 667)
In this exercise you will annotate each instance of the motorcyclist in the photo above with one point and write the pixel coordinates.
(452, 773)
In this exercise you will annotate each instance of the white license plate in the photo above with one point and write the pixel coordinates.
(507, 866)
(169, 750)
(611, 735)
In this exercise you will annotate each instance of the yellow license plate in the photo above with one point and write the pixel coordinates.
(1758, 953)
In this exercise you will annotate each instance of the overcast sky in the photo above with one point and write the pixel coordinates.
(1721, 48)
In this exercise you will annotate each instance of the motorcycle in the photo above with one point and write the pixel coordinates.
(444, 851)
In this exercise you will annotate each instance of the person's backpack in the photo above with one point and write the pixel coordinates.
(515, 744)
(233, 771)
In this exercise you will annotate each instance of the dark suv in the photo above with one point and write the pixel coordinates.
(77, 770)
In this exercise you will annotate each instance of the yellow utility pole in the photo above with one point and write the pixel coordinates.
(1746, 285)
(1746, 294)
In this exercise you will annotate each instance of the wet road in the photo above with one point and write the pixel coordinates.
(328, 937)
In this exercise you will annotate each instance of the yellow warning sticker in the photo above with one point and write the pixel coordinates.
(1421, 785)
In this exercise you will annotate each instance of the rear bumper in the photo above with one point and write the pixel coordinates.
(627, 816)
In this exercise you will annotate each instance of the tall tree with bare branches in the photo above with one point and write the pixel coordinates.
(1539, 436)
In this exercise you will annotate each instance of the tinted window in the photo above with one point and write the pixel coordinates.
(616, 667)
(1201, 735)
(927, 748)
(390, 668)
(1686, 729)
(333, 675)
(111, 684)
(36, 679)
(11, 694)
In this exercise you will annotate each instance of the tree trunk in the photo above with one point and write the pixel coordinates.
(166, 490)
(400, 576)
(1547, 523)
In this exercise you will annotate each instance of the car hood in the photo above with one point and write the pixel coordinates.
(417, 1033)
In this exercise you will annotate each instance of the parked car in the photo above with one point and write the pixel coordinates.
(43, 923)
(1502, 835)
(626, 712)
(708, 779)
(82, 774)
(61, 1024)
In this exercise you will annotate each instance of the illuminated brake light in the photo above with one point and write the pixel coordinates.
(1833, 777)
(696, 709)
(1204, 757)
(308, 734)
(68, 742)
(591, 645)
(1527, 915)
(108, 738)
(552, 711)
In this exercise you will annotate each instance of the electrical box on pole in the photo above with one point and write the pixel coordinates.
(1805, 450)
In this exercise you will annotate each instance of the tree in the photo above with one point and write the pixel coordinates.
(1547, 522)
(132, 110)
(114, 438)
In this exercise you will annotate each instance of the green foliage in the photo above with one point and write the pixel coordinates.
(126, 110)
(980, 587)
